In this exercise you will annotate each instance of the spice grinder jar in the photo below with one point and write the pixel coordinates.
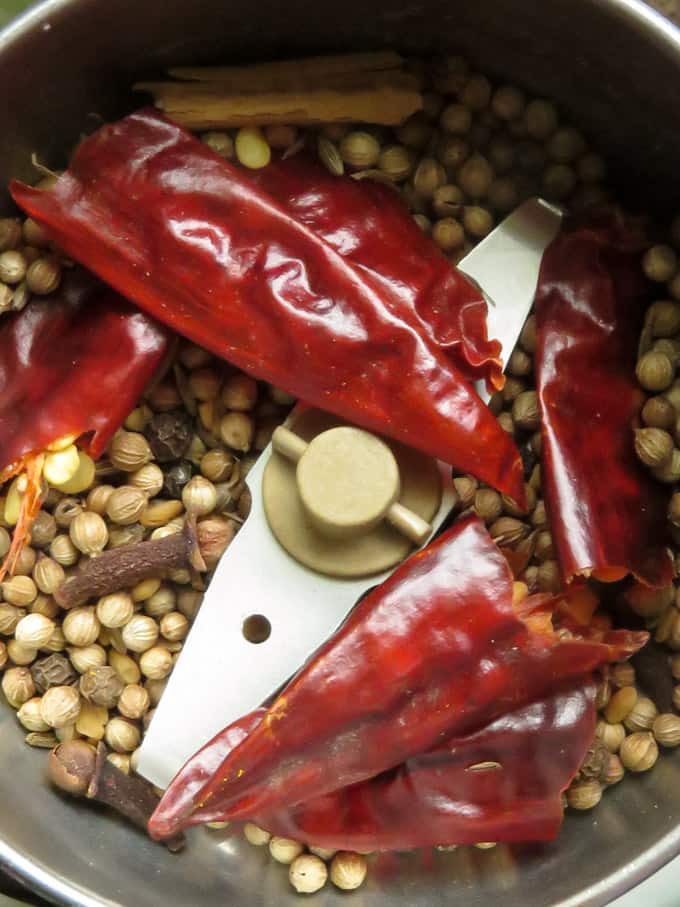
(614, 66)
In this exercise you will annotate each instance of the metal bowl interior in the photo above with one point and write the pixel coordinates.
(615, 66)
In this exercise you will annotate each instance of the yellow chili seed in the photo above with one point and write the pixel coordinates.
(252, 149)
(61, 466)
(620, 705)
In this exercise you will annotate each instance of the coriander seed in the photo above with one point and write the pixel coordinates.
(12, 267)
(348, 870)
(199, 496)
(549, 578)
(140, 633)
(19, 590)
(456, 119)
(239, 393)
(156, 663)
(155, 689)
(162, 602)
(641, 717)
(60, 706)
(29, 716)
(639, 752)
(669, 472)
(18, 686)
(87, 658)
(148, 478)
(653, 446)
(654, 371)
(448, 234)
(566, 145)
(664, 318)
(488, 504)
(359, 150)
(115, 610)
(285, 850)
(612, 735)
(475, 176)
(44, 275)
(307, 874)
(121, 735)
(66, 511)
(476, 93)
(660, 263)
(525, 411)
(451, 152)
(174, 626)
(126, 505)
(89, 533)
(428, 177)
(659, 412)
(10, 233)
(255, 835)
(134, 701)
(447, 201)
(81, 627)
(396, 162)
(129, 451)
(34, 631)
(584, 795)
(43, 530)
(666, 730)
(217, 465)
(63, 551)
(477, 221)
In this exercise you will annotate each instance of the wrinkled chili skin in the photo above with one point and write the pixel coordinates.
(441, 798)
(75, 363)
(195, 242)
(365, 222)
(435, 651)
(605, 511)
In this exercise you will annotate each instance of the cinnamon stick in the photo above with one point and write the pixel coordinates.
(311, 67)
(208, 106)
(123, 567)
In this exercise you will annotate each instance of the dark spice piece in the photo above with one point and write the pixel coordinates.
(121, 568)
(54, 671)
(75, 767)
(652, 677)
(169, 435)
(175, 478)
(596, 762)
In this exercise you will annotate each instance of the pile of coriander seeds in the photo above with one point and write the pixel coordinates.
(476, 151)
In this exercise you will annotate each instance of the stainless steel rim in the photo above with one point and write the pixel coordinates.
(66, 892)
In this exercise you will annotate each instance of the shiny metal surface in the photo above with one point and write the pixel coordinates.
(616, 66)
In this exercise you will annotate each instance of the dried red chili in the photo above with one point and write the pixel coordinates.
(73, 364)
(607, 515)
(366, 223)
(503, 782)
(437, 650)
(198, 244)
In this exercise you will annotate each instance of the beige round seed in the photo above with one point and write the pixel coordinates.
(666, 730)
(30, 717)
(44, 275)
(639, 752)
(156, 663)
(541, 119)
(475, 176)
(125, 505)
(448, 234)
(81, 626)
(508, 102)
(612, 735)
(584, 795)
(20, 654)
(148, 478)
(48, 575)
(655, 371)
(89, 533)
(140, 633)
(134, 702)
(19, 590)
(162, 602)
(122, 736)
(359, 150)
(34, 631)
(18, 686)
(641, 717)
(307, 874)
(285, 850)
(174, 626)
(60, 706)
(115, 610)
(348, 870)
(256, 835)
(199, 496)
(660, 263)
(12, 267)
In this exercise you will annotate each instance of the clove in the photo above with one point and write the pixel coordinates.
(124, 567)
(78, 769)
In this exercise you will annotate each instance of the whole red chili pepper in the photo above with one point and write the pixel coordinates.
(366, 223)
(70, 365)
(503, 782)
(198, 244)
(437, 650)
(607, 515)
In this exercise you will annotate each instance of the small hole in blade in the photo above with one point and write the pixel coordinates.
(256, 628)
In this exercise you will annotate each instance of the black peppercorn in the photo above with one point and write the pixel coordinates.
(169, 435)
(175, 478)
(54, 671)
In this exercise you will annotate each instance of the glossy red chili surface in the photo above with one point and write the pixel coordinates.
(436, 651)
(607, 514)
(197, 243)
